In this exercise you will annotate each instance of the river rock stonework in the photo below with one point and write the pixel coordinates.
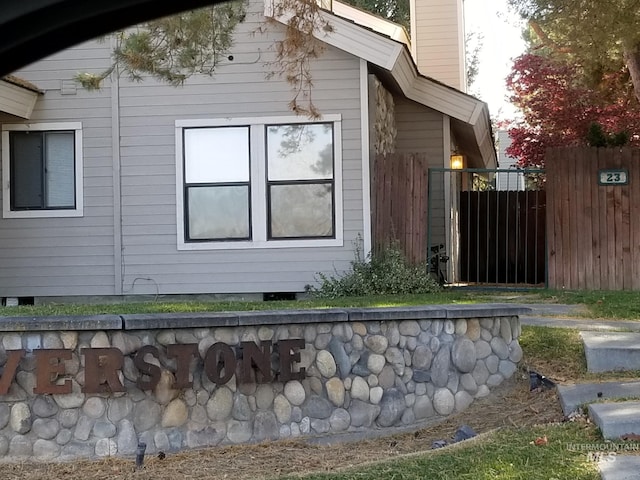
(363, 369)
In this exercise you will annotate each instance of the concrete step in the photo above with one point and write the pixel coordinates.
(573, 396)
(611, 351)
(616, 419)
(620, 467)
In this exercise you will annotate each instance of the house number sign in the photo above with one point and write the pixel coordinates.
(618, 176)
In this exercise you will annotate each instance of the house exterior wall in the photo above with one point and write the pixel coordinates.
(507, 180)
(126, 242)
(421, 130)
(61, 256)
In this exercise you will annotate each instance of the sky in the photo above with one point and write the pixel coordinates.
(502, 41)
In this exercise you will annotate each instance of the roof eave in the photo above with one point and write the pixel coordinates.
(395, 57)
(17, 100)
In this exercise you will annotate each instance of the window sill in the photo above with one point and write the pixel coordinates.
(250, 245)
(42, 213)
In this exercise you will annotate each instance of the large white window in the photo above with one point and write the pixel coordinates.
(256, 183)
(42, 170)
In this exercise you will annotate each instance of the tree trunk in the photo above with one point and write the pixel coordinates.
(632, 60)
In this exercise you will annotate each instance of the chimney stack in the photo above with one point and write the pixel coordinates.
(437, 40)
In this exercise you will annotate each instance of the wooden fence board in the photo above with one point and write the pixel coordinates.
(581, 218)
(634, 183)
(625, 213)
(593, 230)
(612, 219)
(552, 254)
(567, 248)
(595, 222)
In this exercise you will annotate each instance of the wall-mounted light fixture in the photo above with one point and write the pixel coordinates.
(457, 161)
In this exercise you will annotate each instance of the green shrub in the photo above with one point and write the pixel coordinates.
(384, 273)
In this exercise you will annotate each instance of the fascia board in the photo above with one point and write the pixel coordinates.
(351, 38)
(16, 100)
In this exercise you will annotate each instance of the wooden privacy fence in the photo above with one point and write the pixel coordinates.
(399, 203)
(593, 229)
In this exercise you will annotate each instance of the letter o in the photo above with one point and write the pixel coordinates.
(219, 358)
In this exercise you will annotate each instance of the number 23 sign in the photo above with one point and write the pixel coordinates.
(618, 176)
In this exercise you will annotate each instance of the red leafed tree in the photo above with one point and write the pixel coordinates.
(558, 107)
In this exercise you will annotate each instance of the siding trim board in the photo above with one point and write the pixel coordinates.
(117, 175)
(366, 170)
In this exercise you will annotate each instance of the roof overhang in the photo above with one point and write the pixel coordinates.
(470, 121)
(17, 97)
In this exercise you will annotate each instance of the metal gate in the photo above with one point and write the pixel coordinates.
(487, 226)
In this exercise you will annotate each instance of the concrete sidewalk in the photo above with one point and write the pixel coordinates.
(570, 316)
(615, 418)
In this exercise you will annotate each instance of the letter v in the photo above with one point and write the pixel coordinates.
(9, 372)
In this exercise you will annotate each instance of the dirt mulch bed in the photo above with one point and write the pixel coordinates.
(512, 404)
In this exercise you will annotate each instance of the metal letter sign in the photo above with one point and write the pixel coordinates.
(617, 176)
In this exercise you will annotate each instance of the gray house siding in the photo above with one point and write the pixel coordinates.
(88, 256)
(62, 256)
(420, 130)
(151, 261)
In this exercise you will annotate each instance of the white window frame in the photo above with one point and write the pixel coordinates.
(258, 184)
(78, 211)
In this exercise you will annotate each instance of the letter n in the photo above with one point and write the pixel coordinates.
(258, 356)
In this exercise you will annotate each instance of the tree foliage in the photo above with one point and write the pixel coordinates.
(472, 46)
(600, 36)
(173, 48)
(296, 50)
(397, 11)
(559, 107)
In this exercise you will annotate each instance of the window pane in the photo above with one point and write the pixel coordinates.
(26, 170)
(216, 213)
(301, 211)
(216, 154)
(300, 152)
(60, 173)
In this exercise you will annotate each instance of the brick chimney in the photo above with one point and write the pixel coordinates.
(437, 40)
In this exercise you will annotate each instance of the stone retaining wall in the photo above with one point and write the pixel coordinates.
(364, 369)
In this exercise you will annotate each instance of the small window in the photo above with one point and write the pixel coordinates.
(43, 166)
(42, 170)
(216, 183)
(300, 180)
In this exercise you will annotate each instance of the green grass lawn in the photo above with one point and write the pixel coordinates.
(161, 306)
(507, 454)
(610, 305)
